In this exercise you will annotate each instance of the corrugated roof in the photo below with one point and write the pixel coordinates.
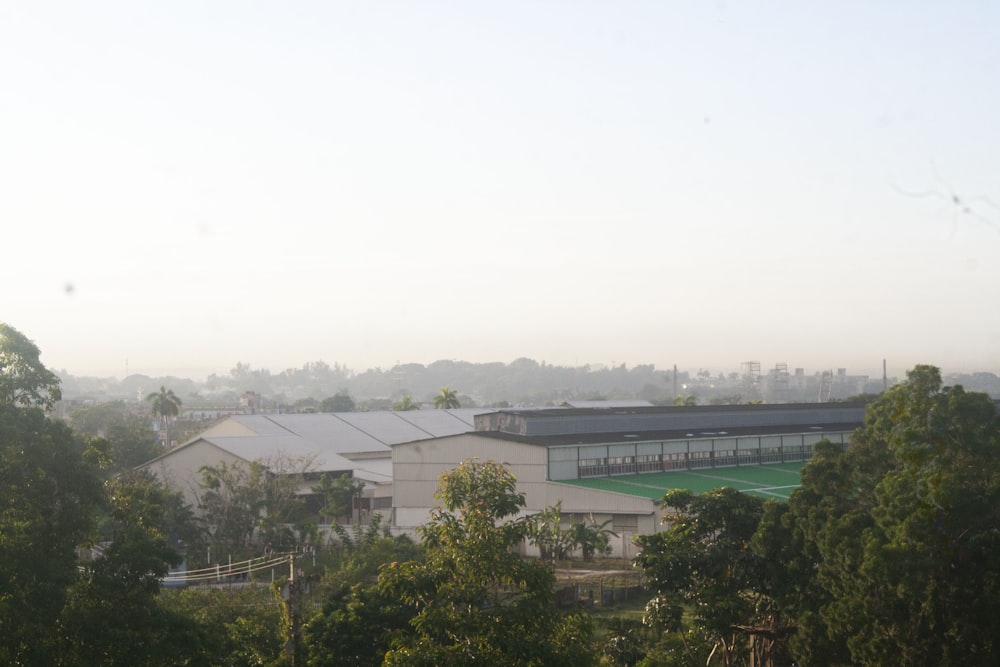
(333, 440)
(271, 448)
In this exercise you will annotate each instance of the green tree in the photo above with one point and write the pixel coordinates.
(545, 532)
(405, 404)
(47, 499)
(339, 402)
(592, 538)
(24, 381)
(338, 494)
(253, 504)
(477, 601)
(131, 440)
(240, 627)
(446, 399)
(166, 405)
(357, 627)
(903, 530)
(134, 552)
(704, 562)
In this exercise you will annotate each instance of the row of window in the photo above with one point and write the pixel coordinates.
(688, 460)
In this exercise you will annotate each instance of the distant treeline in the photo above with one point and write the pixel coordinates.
(522, 382)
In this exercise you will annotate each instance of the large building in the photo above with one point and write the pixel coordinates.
(353, 443)
(611, 463)
(614, 464)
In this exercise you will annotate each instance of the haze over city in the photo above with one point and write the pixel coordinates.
(191, 185)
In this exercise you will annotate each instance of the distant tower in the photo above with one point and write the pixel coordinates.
(779, 377)
(825, 386)
(751, 379)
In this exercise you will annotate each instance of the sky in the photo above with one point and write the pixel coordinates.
(188, 185)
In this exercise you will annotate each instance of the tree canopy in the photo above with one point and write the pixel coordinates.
(476, 600)
(48, 499)
(888, 553)
(339, 402)
(446, 399)
(24, 381)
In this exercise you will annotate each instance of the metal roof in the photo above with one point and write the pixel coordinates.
(336, 441)
(617, 437)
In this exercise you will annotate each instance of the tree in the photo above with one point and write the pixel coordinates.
(476, 600)
(901, 529)
(339, 402)
(166, 405)
(405, 404)
(47, 501)
(546, 533)
(24, 381)
(359, 622)
(704, 561)
(131, 440)
(357, 627)
(135, 548)
(446, 399)
(338, 495)
(592, 538)
(248, 504)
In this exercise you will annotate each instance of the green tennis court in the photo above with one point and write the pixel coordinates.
(769, 481)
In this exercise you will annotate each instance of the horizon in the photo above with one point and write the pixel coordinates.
(201, 376)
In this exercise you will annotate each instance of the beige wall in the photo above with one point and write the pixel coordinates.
(418, 465)
(179, 469)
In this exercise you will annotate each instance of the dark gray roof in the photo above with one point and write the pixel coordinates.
(617, 437)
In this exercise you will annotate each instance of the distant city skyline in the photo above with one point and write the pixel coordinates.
(188, 186)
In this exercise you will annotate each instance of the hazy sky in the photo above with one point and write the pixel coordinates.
(185, 185)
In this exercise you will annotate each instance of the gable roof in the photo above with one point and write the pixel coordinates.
(334, 441)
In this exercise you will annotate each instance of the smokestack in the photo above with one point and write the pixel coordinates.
(885, 378)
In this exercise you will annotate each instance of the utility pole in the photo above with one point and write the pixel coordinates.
(292, 645)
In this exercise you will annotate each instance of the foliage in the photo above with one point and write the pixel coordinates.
(338, 495)
(555, 543)
(704, 562)
(475, 599)
(339, 402)
(123, 581)
(240, 627)
(592, 538)
(446, 399)
(130, 439)
(24, 381)
(47, 501)
(886, 554)
(166, 405)
(358, 624)
(251, 504)
(624, 646)
(405, 404)
(902, 528)
(546, 533)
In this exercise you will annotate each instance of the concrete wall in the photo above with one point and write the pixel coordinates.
(417, 467)
(179, 469)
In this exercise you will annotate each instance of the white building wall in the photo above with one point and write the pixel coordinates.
(180, 468)
(418, 466)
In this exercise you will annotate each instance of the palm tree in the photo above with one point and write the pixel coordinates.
(405, 404)
(446, 399)
(166, 405)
